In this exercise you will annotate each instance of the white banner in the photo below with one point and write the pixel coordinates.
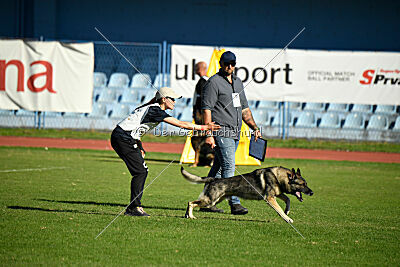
(46, 76)
(300, 75)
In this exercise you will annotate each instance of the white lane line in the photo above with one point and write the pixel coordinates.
(31, 170)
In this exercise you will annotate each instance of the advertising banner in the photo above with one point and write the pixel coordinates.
(300, 75)
(46, 76)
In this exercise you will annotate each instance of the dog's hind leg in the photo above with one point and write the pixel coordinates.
(277, 208)
(189, 210)
(287, 201)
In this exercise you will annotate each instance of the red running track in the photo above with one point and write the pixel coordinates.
(289, 153)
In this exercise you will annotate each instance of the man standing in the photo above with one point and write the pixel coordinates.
(224, 102)
(201, 70)
(204, 155)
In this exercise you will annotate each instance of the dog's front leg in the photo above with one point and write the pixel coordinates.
(287, 201)
(196, 158)
(189, 210)
(274, 204)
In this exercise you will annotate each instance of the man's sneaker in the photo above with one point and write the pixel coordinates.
(212, 209)
(237, 209)
(137, 211)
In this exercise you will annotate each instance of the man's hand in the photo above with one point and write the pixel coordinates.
(257, 134)
(210, 141)
(212, 126)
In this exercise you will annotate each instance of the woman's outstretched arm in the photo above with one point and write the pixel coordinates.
(191, 126)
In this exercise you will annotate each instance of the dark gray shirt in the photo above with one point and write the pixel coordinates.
(217, 97)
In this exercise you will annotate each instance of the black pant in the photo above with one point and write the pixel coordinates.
(129, 151)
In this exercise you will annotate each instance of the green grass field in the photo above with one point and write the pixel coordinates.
(55, 202)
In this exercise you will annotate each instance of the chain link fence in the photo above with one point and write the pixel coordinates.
(145, 57)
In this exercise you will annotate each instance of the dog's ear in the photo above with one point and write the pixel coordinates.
(298, 172)
(293, 172)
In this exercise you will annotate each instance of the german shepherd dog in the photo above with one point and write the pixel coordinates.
(261, 184)
(204, 154)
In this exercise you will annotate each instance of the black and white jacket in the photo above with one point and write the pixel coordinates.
(143, 120)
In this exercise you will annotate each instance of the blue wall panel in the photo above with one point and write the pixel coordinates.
(9, 19)
(344, 25)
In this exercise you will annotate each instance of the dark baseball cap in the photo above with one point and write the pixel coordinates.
(228, 56)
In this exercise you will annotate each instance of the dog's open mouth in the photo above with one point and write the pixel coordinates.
(299, 196)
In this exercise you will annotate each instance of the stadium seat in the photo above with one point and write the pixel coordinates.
(149, 95)
(141, 81)
(337, 107)
(378, 122)
(266, 104)
(158, 80)
(186, 114)
(141, 94)
(99, 79)
(189, 102)
(73, 115)
(107, 96)
(261, 116)
(314, 106)
(99, 111)
(354, 121)
(129, 96)
(306, 120)
(119, 111)
(23, 112)
(52, 114)
(294, 105)
(119, 79)
(396, 127)
(177, 112)
(385, 109)
(252, 104)
(4, 112)
(330, 120)
(362, 108)
(276, 119)
(182, 102)
(96, 93)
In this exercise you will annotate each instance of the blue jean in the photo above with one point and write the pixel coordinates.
(224, 162)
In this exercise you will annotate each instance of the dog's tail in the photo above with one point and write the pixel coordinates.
(194, 178)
